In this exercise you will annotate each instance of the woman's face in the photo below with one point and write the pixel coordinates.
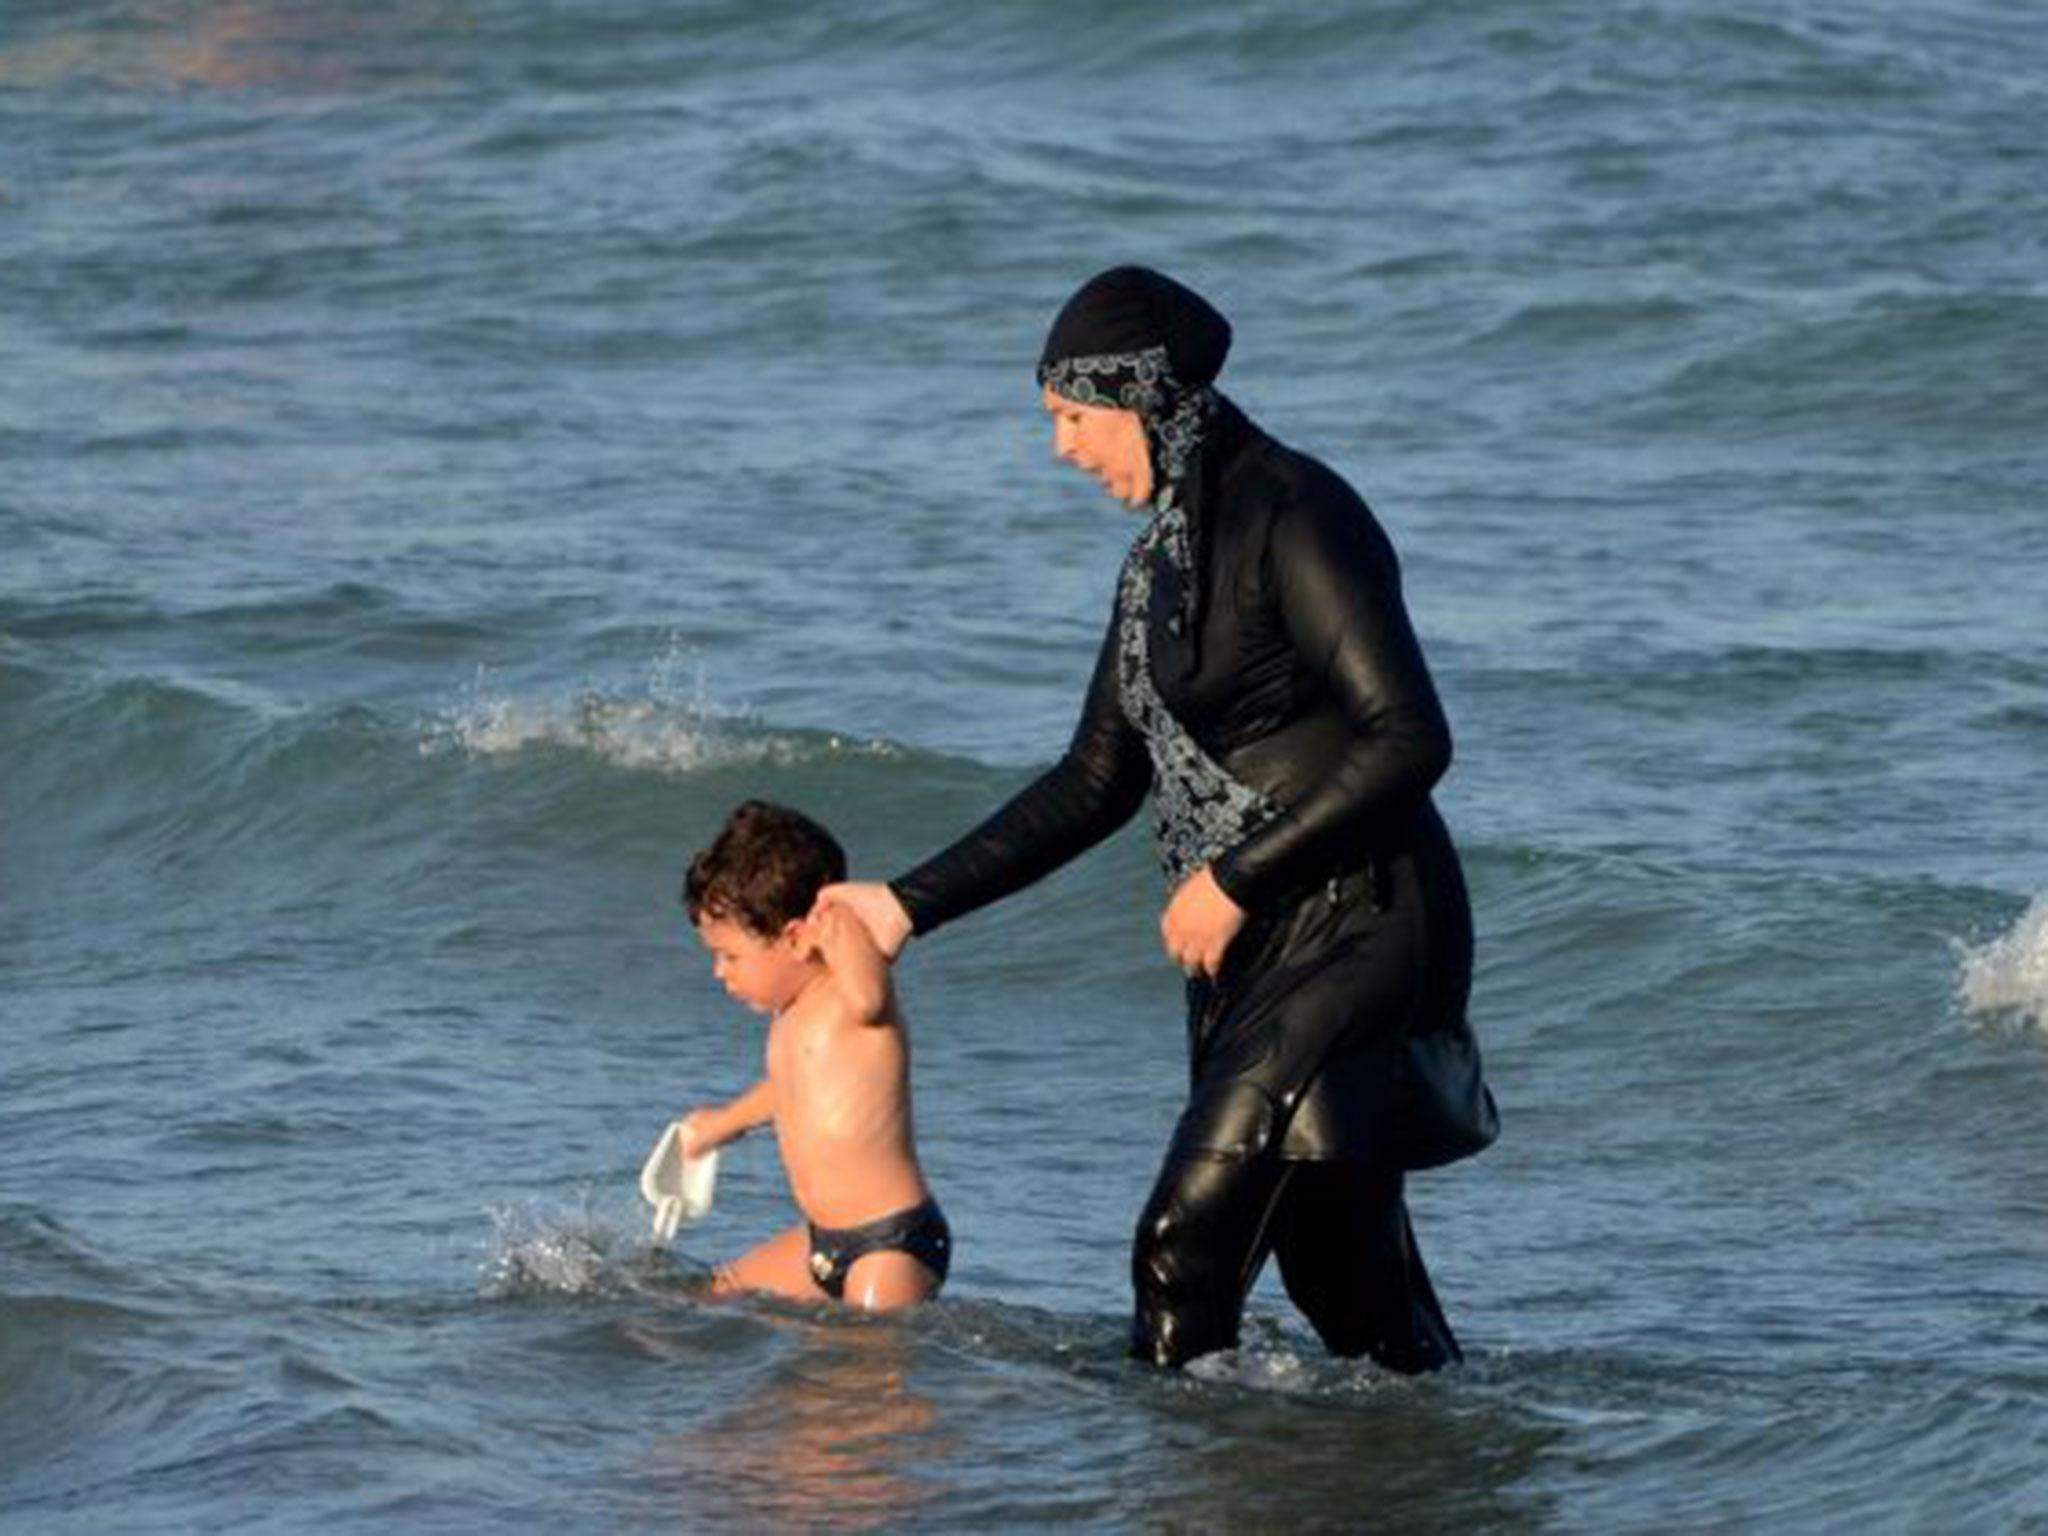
(1107, 442)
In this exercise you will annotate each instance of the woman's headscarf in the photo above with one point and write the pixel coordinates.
(1136, 340)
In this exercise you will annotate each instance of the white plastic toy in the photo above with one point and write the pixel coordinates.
(678, 1187)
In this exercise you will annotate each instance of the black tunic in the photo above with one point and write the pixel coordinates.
(1336, 1027)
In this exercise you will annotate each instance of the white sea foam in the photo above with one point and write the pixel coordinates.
(2009, 975)
(665, 728)
(1287, 1372)
(1273, 1357)
(1270, 1370)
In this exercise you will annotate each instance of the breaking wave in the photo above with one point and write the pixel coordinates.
(2009, 975)
(662, 730)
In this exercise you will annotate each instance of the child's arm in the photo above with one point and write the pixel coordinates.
(716, 1124)
(857, 967)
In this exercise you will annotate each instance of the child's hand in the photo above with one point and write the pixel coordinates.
(703, 1129)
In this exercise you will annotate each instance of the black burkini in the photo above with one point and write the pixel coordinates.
(1261, 681)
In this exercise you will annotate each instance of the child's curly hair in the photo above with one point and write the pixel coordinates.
(763, 870)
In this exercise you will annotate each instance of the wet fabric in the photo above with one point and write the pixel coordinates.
(1310, 689)
(1346, 1250)
(921, 1232)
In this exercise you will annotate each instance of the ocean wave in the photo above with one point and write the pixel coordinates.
(108, 611)
(163, 766)
(2008, 976)
(70, 1322)
(1649, 320)
(39, 1255)
(273, 622)
(1901, 361)
(660, 731)
(181, 760)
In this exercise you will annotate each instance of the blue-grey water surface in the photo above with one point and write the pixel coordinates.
(450, 451)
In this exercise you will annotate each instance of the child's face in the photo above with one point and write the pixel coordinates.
(760, 971)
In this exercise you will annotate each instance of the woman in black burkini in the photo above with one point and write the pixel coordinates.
(1260, 680)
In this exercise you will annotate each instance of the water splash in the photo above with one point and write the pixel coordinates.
(668, 727)
(534, 1252)
(2010, 974)
(1272, 1360)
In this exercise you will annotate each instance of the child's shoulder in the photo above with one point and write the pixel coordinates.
(822, 1006)
(829, 1008)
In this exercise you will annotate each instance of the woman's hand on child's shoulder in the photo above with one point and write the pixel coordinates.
(860, 971)
(841, 935)
(876, 906)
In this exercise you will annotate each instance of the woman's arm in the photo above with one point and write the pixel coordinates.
(1337, 586)
(1091, 791)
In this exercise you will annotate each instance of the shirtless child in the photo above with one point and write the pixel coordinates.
(838, 1084)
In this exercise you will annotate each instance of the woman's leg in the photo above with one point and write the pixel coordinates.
(1201, 1241)
(1348, 1258)
(1207, 1227)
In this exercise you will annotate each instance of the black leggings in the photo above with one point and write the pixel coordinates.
(1347, 1256)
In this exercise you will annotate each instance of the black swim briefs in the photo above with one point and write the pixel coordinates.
(920, 1232)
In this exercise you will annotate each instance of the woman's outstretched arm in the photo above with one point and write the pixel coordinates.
(1096, 786)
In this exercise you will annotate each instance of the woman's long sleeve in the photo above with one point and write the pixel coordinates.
(1338, 591)
(1091, 791)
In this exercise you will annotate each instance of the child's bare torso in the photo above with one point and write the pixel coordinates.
(842, 1111)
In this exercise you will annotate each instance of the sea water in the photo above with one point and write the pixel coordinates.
(451, 452)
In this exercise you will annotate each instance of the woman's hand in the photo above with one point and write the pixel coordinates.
(878, 910)
(857, 965)
(1199, 924)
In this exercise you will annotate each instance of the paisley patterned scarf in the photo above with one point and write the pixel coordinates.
(1199, 809)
